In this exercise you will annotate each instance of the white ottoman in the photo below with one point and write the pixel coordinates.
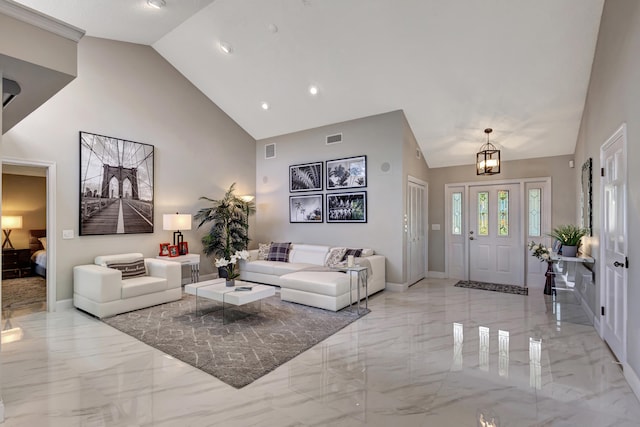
(324, 289)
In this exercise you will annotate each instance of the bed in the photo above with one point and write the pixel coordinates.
(38, 247)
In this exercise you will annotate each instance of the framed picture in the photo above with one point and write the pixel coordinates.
(306, 177)
(183, 248)
(305, 208)
(174, 251)
(347, 207)
(164, 249)
(346, 173)
(116, 186)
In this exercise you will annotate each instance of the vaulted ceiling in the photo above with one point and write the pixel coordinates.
(454, 67)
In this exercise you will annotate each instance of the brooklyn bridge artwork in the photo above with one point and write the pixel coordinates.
(116, 186)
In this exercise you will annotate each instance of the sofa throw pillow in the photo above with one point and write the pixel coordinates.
(355, 252)
(335, 257)
(279, 252)
(263, 250)
(129, 269)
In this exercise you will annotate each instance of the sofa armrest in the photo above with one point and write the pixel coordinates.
(100, 284)
(377, 280)
(169, 270)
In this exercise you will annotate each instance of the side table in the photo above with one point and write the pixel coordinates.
(192, 260)
(362, 278)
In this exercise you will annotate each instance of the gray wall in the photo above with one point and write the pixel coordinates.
(563, 182)
(129, 91)
(614, 98)
(380, 138)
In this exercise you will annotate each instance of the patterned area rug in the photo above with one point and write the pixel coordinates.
(237, 353)
(24, 291)
(507, 289)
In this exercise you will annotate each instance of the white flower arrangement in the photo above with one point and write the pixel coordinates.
(230, 264)
(540, 251)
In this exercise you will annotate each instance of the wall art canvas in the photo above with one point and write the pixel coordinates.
(306, 177)
(116, 186)
(347, 207)
(347, 173)
(305, 208)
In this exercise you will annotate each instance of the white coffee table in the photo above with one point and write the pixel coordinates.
(216, 290)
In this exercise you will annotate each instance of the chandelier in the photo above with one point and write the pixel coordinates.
(488, 158)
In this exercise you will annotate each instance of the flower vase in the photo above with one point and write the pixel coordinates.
(231, 282)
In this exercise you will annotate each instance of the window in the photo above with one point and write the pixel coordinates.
(483, 213)
(503, 212)
(535, 212)
(456, 214)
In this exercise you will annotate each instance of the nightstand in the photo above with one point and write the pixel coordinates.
(16, 263)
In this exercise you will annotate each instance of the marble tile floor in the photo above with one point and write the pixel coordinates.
(435, 355)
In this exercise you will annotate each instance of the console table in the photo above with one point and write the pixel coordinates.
(192, 260)
(562, 271)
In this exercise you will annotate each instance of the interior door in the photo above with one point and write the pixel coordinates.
(416, 231)
(496, 250)
(614, 243)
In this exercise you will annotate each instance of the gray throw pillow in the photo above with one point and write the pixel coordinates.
(129, 269)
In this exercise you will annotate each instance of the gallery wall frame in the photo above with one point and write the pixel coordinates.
(350, 172)
(116, 191)
(306, 208)
(347, 207)
(305, 177)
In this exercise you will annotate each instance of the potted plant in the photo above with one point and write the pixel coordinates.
(229, 265)
(569, 236)
(229, 232)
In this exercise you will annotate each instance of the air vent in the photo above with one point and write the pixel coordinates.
(270, 151)
(334, 139)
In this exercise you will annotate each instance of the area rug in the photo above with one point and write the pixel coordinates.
(507, 289)
(237, 353)
(24, 291)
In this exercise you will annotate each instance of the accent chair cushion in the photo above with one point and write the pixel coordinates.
(129, 269)
(279, 252)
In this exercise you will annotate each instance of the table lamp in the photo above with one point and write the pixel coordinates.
(10, 223)
(176, 222)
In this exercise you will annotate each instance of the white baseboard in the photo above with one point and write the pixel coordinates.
(64, 304)
(598, 326)
(632, 378)
(396, 287)
(585, 307)
(1, 410)
(437, 275)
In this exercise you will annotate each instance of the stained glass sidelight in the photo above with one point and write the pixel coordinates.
(535, 194)
(456, 213)
(503, 212)
(483, 213)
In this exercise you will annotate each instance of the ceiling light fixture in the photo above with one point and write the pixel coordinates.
(157, 4)
(313, 90)
(488, 158)
(226, 48)
(265, 105)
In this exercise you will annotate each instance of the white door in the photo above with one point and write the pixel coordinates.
(613, 158)
(495, 241)
(416, 231)
(455, 232)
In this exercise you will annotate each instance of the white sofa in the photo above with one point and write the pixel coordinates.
(301, 280)
(101, 291)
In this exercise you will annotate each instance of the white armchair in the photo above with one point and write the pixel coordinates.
(100, 289)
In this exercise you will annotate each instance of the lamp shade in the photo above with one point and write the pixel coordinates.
(11, 222)
(176, 221)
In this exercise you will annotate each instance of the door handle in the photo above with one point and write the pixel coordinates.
(618, 264)
(472, 238)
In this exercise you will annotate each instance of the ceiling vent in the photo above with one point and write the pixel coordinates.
(10, 89)
(334, 139)
(270, 151)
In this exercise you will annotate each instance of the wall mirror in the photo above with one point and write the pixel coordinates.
(586, 197)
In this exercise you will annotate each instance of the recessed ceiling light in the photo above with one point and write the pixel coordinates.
(313, 90)
(226, 48)
(157, 4)
(264, 105)
(273, 28)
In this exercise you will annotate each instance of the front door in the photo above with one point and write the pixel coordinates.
(495, 238)
(614, 274)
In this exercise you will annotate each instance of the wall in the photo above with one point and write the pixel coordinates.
(614, 98)
(26, 196)
(378, 137)
(129, 91)
(563, 183)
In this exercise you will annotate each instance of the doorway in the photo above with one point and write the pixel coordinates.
(46, 238)
(613, 243)
(416, 228)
